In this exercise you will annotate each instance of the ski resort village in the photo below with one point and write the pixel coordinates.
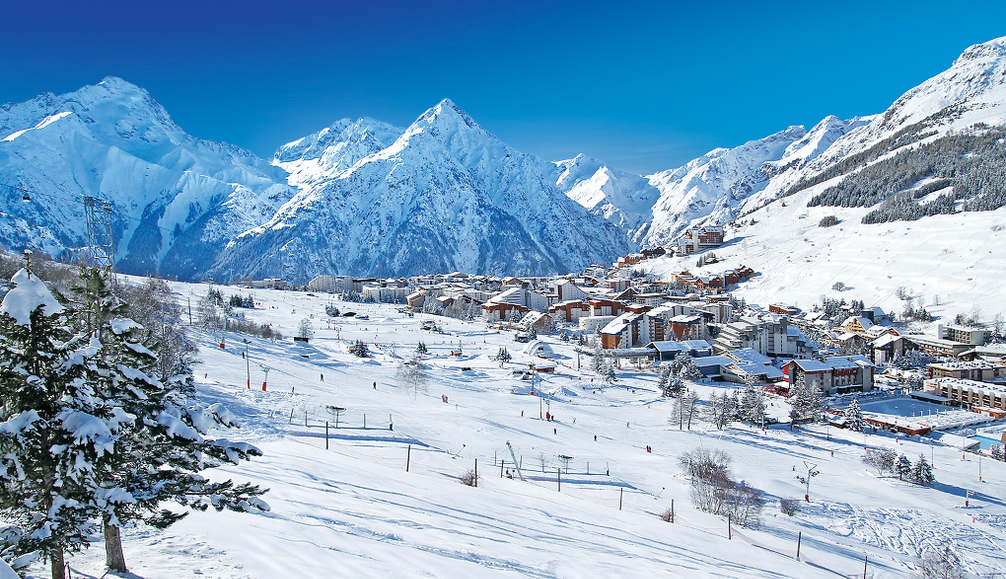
(360, 348)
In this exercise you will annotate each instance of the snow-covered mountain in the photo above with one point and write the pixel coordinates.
(624, 199)
(950, 261)
(445, 195)
(178, 199)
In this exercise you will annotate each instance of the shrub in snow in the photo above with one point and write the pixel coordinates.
(468, 479)
(941, 563)
(714, 491)
(667, 515)
(883, 461)
(828, 221)
(789, 507)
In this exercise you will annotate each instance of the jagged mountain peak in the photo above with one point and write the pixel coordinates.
(336, 143)
(990, 50)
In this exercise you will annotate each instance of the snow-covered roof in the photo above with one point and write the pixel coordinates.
(885, 340)
(29, 293)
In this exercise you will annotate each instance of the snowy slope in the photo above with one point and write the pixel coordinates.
(624, 199)
(950, 262)
(353, 510)
(713, 188)
(446, 195)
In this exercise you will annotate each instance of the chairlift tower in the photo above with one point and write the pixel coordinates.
(99, 215)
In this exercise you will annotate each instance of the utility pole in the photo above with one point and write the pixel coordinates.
(812, 472)
(247, 365)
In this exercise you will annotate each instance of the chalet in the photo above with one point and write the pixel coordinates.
(416, 299)
(856, 325)
(541, 322)
(887, 348)
(783, 310)
(835, 375)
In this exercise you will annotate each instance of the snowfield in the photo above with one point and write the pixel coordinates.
(352, 509)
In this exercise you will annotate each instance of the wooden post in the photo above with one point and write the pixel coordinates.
(305, 417)
(291, 416)
(408, 458)
(326, 435)
(588, 467)
(730, 532)
(799, 539)
(866, 559)
(476, 472)
(558, 480)
(391, 425)
(621, 490)
(364, 420)
(672, 510)
(501, 468)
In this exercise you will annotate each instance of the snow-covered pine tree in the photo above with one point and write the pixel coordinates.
(158, 456)
(798, 399)
(752, 405)
(669, 383)
(904, 468)
(997, 452)
(854, 416)
(53, 429)
(922, 473)
(608, 374)
(597, 365)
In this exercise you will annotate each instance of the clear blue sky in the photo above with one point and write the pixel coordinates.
(644, 86)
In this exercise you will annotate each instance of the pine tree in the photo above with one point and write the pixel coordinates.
(923, 472)
(608, 374)
(854, 416)
(997, 452)
(160, 453)
(54, 430)
(670, 384)
(597, 365)
(904, 468)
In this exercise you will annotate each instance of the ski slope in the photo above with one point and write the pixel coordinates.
(353, 510)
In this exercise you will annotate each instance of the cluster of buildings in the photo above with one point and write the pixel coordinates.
(636, 320)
